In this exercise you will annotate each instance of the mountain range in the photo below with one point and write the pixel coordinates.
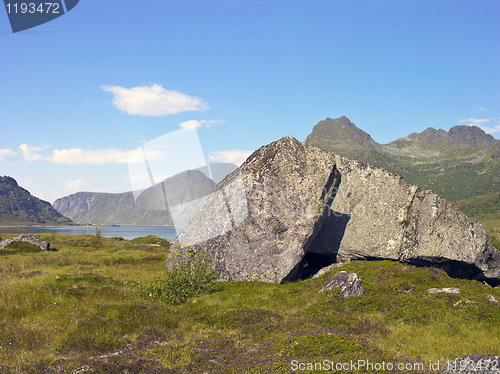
(172, 201)
(462, 164)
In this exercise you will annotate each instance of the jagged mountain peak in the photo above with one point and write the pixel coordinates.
(429, 136)
(8, 181)
(471, 136)
(340, 133)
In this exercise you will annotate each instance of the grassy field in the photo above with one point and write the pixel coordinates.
(83, 309)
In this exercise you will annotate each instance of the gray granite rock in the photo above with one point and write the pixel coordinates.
(392, 219)
(44, 246)
(259, 221)
(349, 284)
(290, 205)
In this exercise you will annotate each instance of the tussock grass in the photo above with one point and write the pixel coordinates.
(83, 308)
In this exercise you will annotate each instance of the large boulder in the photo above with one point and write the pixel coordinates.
(292, 206)
(259, 221)
(392, 219)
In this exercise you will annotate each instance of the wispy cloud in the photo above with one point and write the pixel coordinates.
(475, 121)
(6, 152)
(29, 152)
(481, 123)
(233, 156)
(194, 124)
(153, 100)
(480, 109)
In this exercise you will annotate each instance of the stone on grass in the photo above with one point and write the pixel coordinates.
(44, 246)
(449, 290)
(349, 283)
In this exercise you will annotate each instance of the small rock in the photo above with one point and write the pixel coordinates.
(83, 369)
(491, 298)
(454, 290)
(349, 284)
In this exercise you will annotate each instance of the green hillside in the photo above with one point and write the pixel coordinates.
(83, 309)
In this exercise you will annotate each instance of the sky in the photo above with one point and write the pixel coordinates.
(80, 95)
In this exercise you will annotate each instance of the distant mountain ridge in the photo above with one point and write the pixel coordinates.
(19, 207)
(174, 200)
(460, 163)
(466, 136)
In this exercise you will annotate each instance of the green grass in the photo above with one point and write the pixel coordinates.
(150, 239)
(82, 307)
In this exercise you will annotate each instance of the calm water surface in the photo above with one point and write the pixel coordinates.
(127, 232)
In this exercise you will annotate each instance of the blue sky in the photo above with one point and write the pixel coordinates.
(78, 94)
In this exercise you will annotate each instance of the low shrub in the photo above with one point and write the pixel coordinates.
(192, 274)
(151, 239)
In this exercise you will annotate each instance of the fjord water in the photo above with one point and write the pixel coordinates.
(126, 232)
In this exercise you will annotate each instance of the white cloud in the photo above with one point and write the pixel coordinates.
(75, 156)
(29, 152)
(90, 157)
(480, 109)
(191, 125)
(475, 121)
(75, 185)
(5, 152)
(153, 100)
(194, 124)
(233, 156)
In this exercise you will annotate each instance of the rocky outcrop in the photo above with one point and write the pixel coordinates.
(44, 246)
(19, 207)
(469, 136)
(349, 284)
(292, 209)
